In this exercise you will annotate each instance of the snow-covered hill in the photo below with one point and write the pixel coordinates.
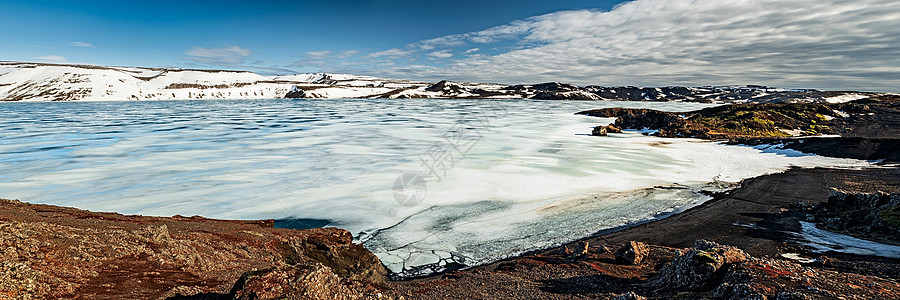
(49, 82)
(55, 82)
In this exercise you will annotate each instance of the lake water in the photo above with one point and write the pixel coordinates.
(498, 177)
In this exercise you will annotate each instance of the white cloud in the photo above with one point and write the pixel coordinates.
(316, 54)
(827, 44)
(228, 57)
(322, 60)
(82, 44)
(391, 52)
(441, 54)
(472, 50)
(56, 59)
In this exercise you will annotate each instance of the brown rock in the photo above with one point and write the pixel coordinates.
(315, 281)
(52, 252)
(697, 268)
(632, 253)
(599, 131)
(337, 252)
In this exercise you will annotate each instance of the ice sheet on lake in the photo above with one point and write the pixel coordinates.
(534, 178)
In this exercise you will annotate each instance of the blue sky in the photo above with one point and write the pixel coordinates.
(826, 44)
(277, 33)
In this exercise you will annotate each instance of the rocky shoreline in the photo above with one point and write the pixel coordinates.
(741, 245)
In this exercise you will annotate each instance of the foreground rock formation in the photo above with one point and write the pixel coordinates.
(57, 252)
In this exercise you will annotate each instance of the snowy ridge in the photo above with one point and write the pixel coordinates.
(56, 82)
(49, 82)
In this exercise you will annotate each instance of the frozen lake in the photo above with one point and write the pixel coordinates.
(498, 177)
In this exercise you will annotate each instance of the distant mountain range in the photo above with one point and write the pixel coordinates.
(56, 82)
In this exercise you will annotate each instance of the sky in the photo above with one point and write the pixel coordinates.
(823, 44)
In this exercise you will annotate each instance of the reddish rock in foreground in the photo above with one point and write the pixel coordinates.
(58, 252)
(301, 282)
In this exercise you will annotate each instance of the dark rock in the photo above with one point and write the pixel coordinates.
(639, 118)
(865, 148)
(741, 291)
(632, 253)
(698, 268)
(791, 296)
(874, 216)
(614, 112)
(555, 87)
(446, 87)
(569, 95)
(650, 119)
(295, 92)
(630, 296)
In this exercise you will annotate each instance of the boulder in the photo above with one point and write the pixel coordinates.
(338, 252)
(632, 253)
(698, 268)
(315, 281)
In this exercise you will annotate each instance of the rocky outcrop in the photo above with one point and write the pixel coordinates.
(632, 253)
(573, 95)
(638, 118)
(747, 121)
(699, 268)
(58, 252)
(874, 216)
(302, 281)
(295, 93)
(667, 123)
(446, 87)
